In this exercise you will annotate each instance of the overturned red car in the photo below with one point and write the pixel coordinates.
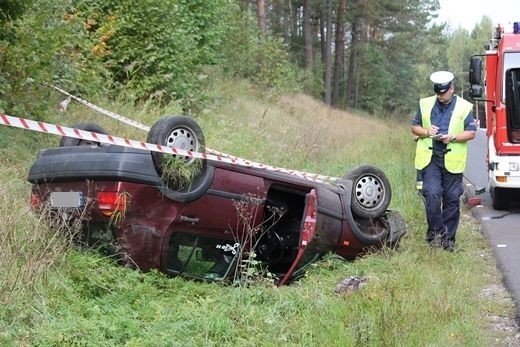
(218, 221)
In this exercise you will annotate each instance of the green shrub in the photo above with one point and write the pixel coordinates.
(46, 44)
(263, 61)
(156, 48)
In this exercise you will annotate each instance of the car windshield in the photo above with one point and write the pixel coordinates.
(200, 256)
(511, 61)
(513, 98)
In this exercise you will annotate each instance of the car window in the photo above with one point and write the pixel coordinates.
(200, 256)
(511, 60)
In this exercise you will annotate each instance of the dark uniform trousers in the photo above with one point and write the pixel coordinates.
(441, 190)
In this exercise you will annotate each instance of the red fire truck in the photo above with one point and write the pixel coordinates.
(502, 116)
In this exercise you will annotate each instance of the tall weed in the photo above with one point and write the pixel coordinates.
(29, 249)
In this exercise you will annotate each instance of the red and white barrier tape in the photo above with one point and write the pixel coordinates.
(105, 112)
(123, 119)
(215, 152)
(60, 130)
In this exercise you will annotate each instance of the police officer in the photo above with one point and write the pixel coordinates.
(443, 124)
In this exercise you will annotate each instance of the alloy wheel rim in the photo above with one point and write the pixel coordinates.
(369, 191)
(183, 138)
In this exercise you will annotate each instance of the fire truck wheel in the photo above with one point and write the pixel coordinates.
(71, 141)
(371, 191)
(500, 198)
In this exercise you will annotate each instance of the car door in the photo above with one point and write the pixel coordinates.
(208, 230)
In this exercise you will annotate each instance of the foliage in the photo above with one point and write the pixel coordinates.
(433, 58)
(274, 70)
(177, 173)
(249, 270)
(119, 214)
(157, 48)
(148, 49)
(44, 45)
(377, 83)
(392, 56)
(9, 11)
(264, 61)
(461, 47)
(171, 50)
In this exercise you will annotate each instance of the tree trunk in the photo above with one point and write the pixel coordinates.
(285, 11)
(293, 26)
(328, 55)
(309, 57)
(340, 52)
(274, 17)
(315, 30)
(260, 10)
(355, 48)
(323, 40)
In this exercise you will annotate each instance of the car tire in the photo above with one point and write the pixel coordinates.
(371, 191)
(182, 132)
(66, 141)
(176, 131)
(499, 198)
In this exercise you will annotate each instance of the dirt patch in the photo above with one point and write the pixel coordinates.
(506, 328)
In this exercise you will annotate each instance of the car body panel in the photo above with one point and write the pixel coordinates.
(291, 221)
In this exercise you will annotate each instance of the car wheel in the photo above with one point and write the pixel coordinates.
(71, 141)
(371, 192)
(180, 132)
(180, 173)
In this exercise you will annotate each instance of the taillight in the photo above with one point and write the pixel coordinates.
(111, 202)
(35, 201)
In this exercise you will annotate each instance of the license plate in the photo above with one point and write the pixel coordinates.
(66, 199)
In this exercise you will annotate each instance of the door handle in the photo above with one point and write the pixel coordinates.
(187, 219)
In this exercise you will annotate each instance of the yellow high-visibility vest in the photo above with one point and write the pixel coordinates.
(455, 157)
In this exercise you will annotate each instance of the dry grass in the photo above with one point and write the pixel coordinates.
(28, 249)
(311, 117)
(300, 132)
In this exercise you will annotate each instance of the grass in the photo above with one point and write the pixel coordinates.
(53, 295)
(178, 174)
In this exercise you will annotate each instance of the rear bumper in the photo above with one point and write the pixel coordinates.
(111, 163)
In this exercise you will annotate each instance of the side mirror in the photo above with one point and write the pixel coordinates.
(475, 70)
(475, 91)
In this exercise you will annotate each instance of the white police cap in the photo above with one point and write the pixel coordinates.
(441, 81)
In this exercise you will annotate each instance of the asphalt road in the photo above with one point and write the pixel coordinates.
(476, 170)
(501, 228)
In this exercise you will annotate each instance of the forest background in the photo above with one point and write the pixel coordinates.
(369, 55)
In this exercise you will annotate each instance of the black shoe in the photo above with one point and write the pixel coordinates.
(435, 242)
(449, 246)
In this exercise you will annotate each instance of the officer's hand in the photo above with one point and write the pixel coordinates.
(446, 139)
(434, 130)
